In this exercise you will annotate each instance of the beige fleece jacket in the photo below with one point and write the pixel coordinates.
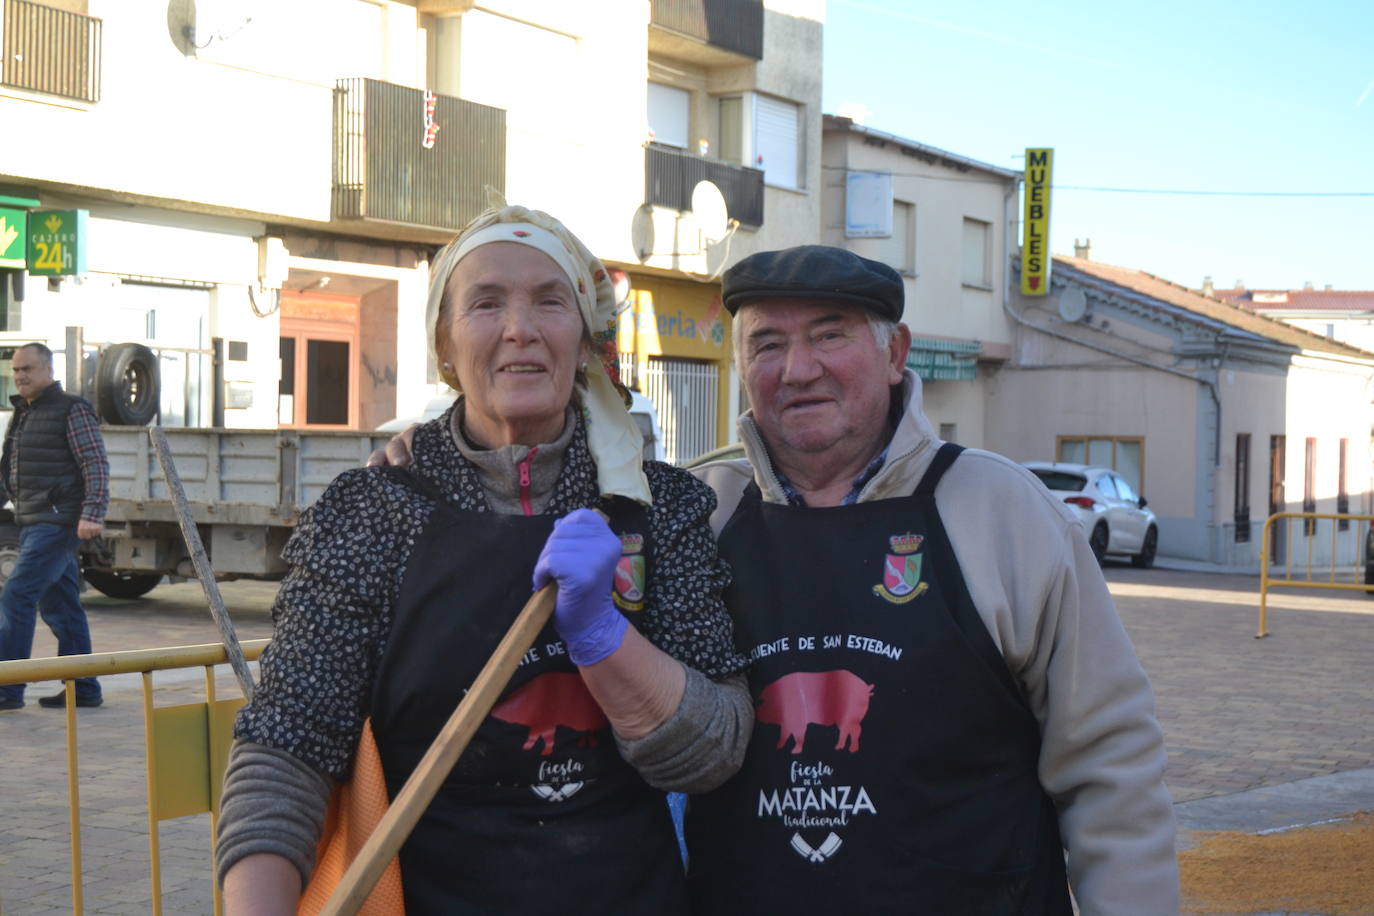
(1041, 595)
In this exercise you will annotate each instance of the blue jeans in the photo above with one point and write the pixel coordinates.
(45, 580)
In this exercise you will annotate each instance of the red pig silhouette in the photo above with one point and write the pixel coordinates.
(795, 701)
(549, 701)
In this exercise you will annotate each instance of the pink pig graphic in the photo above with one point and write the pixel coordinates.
(803, 698)
(548, 702)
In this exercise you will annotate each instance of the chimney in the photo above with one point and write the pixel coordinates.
(1083, 249)
(1327, 287)
(1240, 284)
(1307, 285)
(1207, 289)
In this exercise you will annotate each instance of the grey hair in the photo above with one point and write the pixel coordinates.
(882, 329)
(41, 349)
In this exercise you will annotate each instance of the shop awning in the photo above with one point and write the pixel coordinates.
(944, 360)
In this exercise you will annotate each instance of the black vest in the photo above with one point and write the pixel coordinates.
(50, 486)
(892, 767)
(540, 814)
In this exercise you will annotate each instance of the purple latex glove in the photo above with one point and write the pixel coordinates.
(581, 555)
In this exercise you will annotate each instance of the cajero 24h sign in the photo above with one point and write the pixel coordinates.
(57, 242)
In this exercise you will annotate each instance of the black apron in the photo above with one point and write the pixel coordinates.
(540, 813)
(892, 767)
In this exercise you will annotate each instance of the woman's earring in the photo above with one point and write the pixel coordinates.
(448, 367)
(584, 365)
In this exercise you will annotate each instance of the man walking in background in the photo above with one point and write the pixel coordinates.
(55, 472)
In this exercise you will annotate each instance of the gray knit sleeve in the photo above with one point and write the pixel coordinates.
(272, 803)
(702, 744)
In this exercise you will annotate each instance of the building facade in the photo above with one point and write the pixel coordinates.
(1218, 416)
(945, 223)
(275, 200)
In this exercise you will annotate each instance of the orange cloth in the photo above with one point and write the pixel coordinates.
(355, 809)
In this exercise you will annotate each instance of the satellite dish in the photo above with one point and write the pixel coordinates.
(1073, 304)
(708, 206)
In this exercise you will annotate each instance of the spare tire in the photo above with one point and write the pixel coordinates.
(127, 388)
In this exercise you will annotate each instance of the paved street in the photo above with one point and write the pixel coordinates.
(1286, 715)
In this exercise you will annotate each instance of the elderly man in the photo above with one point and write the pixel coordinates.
(947, 701)
(55, 470)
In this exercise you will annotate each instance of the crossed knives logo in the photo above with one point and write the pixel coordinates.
(817, 855)
(557, 793)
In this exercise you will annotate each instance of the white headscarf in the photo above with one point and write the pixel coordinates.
(615, 441)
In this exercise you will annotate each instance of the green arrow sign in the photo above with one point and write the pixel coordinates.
(13, 231)
(57, 242)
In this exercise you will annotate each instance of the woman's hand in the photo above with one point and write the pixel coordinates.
(581, 555)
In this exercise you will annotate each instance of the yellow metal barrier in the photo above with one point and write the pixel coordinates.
(186, 747)
(1267, 581)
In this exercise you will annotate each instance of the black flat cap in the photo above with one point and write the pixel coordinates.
(814, 272)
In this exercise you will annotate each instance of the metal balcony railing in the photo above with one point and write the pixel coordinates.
(732, 25)
(670, 174)
(403, 155)
(49, 50)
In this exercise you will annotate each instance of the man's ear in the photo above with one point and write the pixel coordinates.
(897, 350)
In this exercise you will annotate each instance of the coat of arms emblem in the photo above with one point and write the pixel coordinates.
(628, 590)
(902, 570)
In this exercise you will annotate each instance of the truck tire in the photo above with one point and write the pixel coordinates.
(122, 584)
(128, 390)
(9, 552)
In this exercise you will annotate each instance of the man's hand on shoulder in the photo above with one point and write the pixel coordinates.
(87, 530)
(396, 452)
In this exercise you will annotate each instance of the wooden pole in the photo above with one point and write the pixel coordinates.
(434, 767)
(201, 562)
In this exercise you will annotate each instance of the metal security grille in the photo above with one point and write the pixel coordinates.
(734, 25)
(671, 174)
(384, 171)
(50, 50)
(684, 393)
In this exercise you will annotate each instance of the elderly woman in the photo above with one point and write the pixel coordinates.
(403, 582)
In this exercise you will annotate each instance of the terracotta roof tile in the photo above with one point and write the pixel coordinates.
(1211, 307)
(1319, 300)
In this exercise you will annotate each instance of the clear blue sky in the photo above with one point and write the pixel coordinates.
(1204, 96)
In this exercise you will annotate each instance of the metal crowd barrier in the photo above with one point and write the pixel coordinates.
(1267, 581)
(186, 746)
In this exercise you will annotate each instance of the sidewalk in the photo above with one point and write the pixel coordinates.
(1262, 734)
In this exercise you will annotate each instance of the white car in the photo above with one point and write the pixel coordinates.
(1114, 516)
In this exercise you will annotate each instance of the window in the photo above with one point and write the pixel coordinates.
(777, 141)
(1342, 495)
(1309, 486)
(732, 129)
(1123, 454)
(1278, 449)
(1123, 490)
(948, 432)
(898, 250)
(669, 115)
(977, 259)
(1242, 498)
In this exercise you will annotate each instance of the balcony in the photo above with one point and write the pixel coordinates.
(402, 155)
(670, 174)
(734, 27)
(51, 51)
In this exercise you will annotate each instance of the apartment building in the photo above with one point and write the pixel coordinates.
(257, 188)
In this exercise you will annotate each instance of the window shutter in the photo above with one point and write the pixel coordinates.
(669, 115)
(776, 141)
